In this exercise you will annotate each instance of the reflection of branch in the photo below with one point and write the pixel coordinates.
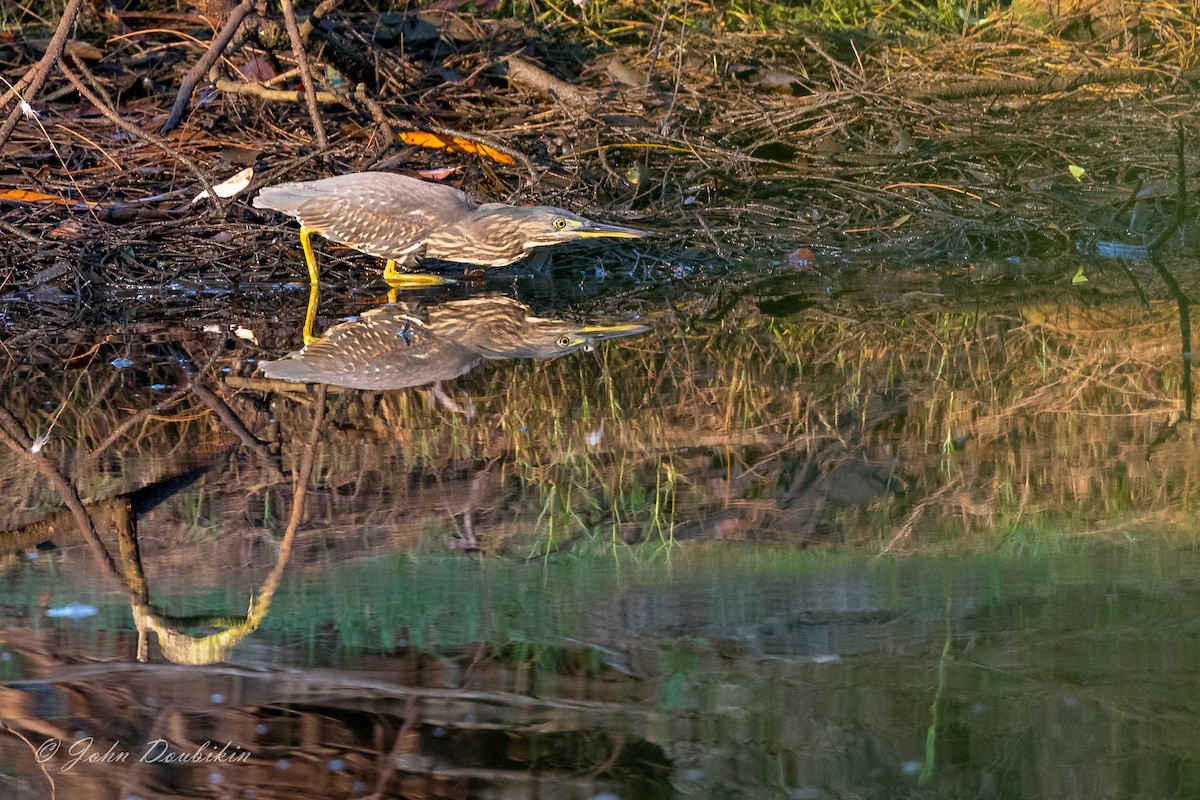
(182, 648)
(13, 433)
(301, 490)
(135, 419)
(36, 755)
(910, 523)
(231, 420)
(131, 557)
(225, 413)
(1185, 330)
(399, 748)
(1181, 300)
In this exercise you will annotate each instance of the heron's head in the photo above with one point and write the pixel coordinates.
(542, 226)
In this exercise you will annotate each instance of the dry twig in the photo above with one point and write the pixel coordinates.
(289, 19)
(32, 81)
(222, 40)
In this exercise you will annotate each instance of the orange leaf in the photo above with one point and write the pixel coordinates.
(22, 196)
(452, 144)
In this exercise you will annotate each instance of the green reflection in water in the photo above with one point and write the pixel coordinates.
(756, 667)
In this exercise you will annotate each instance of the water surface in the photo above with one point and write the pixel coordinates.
(852, 530)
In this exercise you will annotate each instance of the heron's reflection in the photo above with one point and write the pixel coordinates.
(408, 344)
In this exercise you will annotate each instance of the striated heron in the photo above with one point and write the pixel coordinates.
(403, 345)
(405, 219)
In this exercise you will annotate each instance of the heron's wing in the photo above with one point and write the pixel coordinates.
(380, 213)
(384, 349)
(475, 321)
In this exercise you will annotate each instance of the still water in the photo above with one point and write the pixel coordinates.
(848, 531)
(714, 672)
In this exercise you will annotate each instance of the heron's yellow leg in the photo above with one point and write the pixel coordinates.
(310, 316)
(408, 280)
(309, 258)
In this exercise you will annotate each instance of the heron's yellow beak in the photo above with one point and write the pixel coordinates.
(596, 230)
(607, 331)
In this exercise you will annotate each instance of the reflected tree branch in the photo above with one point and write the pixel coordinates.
(183, 648)
(13, 433)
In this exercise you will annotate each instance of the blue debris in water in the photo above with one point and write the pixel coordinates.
(122, 363)
(72, 611)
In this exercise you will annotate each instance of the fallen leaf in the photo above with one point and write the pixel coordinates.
(230, 186)
(453, 144)
(22, 196)
(245, 333)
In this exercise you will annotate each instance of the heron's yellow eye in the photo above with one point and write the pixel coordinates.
(560, 224)
(564, 341)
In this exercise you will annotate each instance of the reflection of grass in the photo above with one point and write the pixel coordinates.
(198, 515)
(986, 419)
